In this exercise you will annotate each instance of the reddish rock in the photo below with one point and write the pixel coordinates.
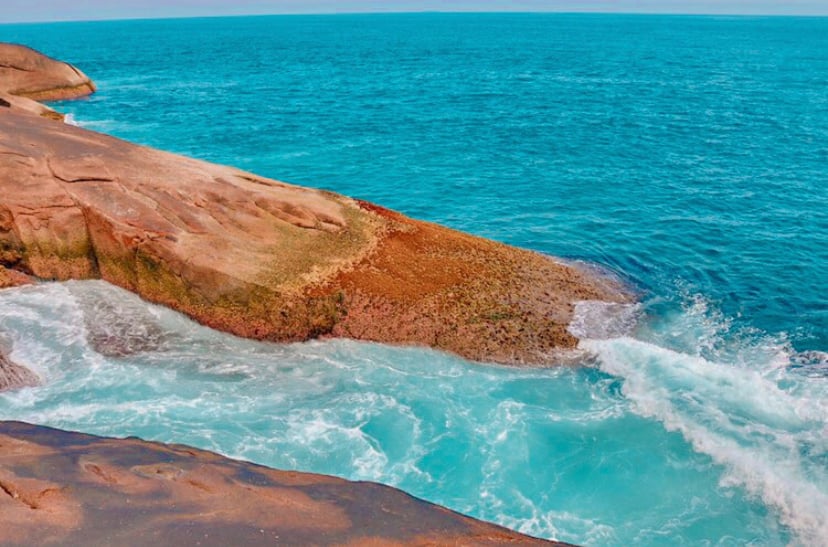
(254, 256)
(27, 73)
(66, 488)
(264, 259)
(258, 258)
(12, 278)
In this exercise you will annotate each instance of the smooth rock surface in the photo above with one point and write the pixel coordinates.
(28, 73)
(64, 488)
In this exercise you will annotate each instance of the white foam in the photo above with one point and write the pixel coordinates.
(596, 319)
(759, 432)
(560, 526)
(731, 393)
(359, 411)
(812, 363)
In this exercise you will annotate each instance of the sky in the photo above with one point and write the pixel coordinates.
(67, 10)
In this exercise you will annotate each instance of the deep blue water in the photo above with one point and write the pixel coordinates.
(687, 154)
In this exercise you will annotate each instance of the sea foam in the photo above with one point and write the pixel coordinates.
(757, 418)
(642, 447)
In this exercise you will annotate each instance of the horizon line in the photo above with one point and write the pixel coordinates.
(421, 12)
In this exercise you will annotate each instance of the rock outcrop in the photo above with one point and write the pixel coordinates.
(66, 488)
(13, 278)
(13, 375)
(267, 260)
(258, 258)
(254, 256)
(27, 73)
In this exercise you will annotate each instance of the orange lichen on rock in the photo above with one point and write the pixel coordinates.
(474, 297)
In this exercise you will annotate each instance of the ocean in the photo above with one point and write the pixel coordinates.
(686, 155)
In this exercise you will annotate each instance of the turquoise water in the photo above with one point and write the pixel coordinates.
(687, 154)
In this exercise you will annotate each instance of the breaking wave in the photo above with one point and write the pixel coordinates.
(746, 399)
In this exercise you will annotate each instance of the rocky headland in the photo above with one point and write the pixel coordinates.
(27, 73)
(258, 258)
(27, 76)
(263, 259)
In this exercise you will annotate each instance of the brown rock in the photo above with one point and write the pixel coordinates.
(264, 259)
(67, 488)
(27, 73)
(253, 256)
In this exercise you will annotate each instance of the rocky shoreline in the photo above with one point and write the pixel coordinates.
(258, 258)
(27, 76)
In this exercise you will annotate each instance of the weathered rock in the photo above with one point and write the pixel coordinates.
(27, 73)
(264, 259)
(119, 329)
(67, 488)
(14, 376)
(254, 256)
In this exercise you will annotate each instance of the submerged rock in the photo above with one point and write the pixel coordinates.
(117, 328)
(12, 375)
(64, 488)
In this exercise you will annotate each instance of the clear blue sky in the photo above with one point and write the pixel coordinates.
(61, 10)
